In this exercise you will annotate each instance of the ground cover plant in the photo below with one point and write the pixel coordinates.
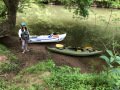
(11, 63)
(46, 75)
(52, 77)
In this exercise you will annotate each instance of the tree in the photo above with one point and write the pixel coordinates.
(12, 6)
(80, 6)
(9, 11)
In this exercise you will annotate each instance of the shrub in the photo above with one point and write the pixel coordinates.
(68, 78)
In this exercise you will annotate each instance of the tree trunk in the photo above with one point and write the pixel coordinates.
(12, 6)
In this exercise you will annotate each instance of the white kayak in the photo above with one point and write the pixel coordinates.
(46, 38)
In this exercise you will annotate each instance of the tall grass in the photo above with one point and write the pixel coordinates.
(82, 31)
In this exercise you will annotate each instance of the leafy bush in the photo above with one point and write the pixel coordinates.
(112, 58)
(68, 78)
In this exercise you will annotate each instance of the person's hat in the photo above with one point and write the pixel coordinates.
(23, 24)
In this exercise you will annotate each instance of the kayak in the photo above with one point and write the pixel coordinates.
(46, 38)
(73, 52)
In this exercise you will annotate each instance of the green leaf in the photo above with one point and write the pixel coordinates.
(105, 58)
(117, 59)
(109, 52)
(111, 66)
(111, 59)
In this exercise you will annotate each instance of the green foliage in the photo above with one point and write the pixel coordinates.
(23, 4)
(2, 84)
(41, 1)
(116, 4)
(66, 70)
(68, 78)
(37, 87)
(14, 87)
(115, 75)
(8, 67)
(2, 10)
(64, 78)
(113, 58)
(3, 49)
(80, 6)
(11, 64)
(108, 3)
(41, 66)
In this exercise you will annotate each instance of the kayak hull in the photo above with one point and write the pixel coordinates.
(70, 52)
(46, 38)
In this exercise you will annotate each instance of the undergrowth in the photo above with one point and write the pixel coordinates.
(68, 78)
(46, 75)
(11, 63)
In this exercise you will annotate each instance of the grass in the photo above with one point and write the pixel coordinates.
(82, 31)
(59, 14)
(60, 78)
(10, 64)
(44, 66)
(46, 75)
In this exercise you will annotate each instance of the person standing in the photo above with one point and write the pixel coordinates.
(24, 34)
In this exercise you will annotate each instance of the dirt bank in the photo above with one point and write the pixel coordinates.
(38, 52)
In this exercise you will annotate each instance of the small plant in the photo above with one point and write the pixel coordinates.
(110, 59)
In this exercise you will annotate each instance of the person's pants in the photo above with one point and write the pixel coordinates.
(24, 44)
